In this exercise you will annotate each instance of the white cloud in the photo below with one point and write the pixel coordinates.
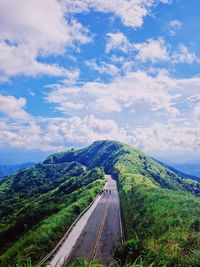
(193, 98)
(34, 29)
(31, 30)
(124, 92)
(20, 130)
(183, 55)
(13, 108)
(131, 12)
(152, 50)
(57, 133)
(104, 67)
(173, 26)
(24, 22)
(167, 138)
(20, 60)
(117, 41)
(197, 111)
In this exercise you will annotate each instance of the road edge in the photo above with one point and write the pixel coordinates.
(59, 244)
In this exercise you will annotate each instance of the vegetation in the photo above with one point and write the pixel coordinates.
(39, 204)
(161, 216)
(161, 208)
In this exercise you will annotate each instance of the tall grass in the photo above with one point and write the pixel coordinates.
(162, 226)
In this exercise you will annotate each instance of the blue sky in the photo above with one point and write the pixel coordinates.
(73, 71)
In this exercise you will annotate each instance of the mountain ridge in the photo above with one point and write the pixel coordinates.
(140, 163)
(160, 207)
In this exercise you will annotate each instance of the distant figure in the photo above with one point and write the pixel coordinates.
(101, 192)
(110, 191)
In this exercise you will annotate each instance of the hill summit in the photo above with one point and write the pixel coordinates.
(113, 156)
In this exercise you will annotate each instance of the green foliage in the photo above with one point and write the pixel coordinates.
(161, 216)
(80, 262)
(161, 209)
(39, 204)
(25, 262)
(117, 158)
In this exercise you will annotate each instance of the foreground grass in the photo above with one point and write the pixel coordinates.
(139, 262)
(162, 226)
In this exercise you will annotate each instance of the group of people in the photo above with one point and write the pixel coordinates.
(105, 191)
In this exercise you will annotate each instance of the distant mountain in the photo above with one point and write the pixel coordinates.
(190, 168)
(184, 170)
(160, 206)
(6, 170)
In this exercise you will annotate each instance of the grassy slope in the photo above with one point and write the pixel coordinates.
(161, 209)
(37, 206)
(161, 216)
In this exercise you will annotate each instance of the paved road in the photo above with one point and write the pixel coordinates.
(96, 233)
(100, 235)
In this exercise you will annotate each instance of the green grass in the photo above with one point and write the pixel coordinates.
(162, 225)
(52, 198)
(38, 241)
(160, 207)
(80, 262)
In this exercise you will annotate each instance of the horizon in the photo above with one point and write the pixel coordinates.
(7, 158)
(77, 72)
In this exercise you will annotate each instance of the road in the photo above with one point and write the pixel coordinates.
(95, 235)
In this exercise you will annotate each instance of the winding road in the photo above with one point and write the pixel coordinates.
(96, 233)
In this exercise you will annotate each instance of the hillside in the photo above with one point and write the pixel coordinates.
(6, 170)
(110, 155)
(160, 207)
(37, 206)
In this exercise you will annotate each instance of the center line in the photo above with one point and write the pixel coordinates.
(100, 233)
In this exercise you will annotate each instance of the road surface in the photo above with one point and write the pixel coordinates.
(96, 233)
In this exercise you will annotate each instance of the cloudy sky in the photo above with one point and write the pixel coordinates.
(74, 71)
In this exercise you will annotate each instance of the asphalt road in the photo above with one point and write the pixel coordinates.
(100, 235)
(96, 233)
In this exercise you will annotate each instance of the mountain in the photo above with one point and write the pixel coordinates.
(192, 169)
(6, 170)
(184, 170)
(160, 208)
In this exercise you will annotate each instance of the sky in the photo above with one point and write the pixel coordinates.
(76, 71)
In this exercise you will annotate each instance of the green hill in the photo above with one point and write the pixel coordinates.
(38, 205)
(160, 207)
